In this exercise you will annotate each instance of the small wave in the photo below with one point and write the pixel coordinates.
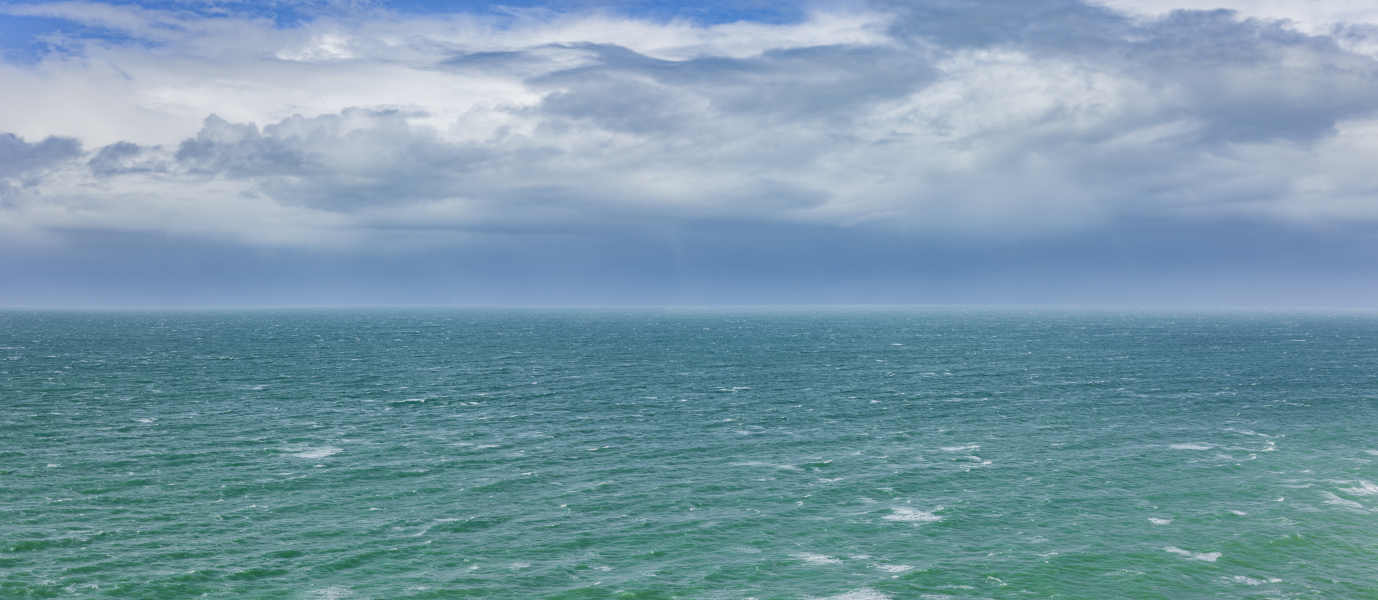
(334, 592)
(960, 448)
(1364, 489)
(1156, 521)
(861, 594)
(319, 452)
(1190, 447)
(1338, 501)
(911, 515)
(817, 559)
(1253, 582)
(1206, 556)
(894, 568)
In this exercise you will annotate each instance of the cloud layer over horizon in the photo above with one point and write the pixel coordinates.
(1002, 125)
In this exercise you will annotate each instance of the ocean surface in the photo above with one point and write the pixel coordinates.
(849, 454)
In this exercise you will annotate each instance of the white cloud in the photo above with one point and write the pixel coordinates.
(350, 129)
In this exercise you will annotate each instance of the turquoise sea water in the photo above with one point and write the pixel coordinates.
(852, 454)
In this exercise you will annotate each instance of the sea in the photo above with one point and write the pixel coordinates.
(698, 453)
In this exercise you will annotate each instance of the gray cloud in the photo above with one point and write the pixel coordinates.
(994, 118)
(126, 158)
(19, 158)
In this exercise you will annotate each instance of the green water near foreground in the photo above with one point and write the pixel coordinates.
(643, 454)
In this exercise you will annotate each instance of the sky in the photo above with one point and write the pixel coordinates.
(615, 152)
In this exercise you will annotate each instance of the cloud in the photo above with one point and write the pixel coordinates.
(19, 158)
(1009, 120)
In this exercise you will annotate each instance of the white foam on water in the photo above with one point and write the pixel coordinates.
(912, 515)
(1364, 489)
(418, 400)
(1248, 580)
(1240, 513)
(603, 568)
(1190, 447)
(1157, 521)
(319, 452)
(1206, 556)
(817, 559)
(960, 448)
(861, 594)
(145, 420)
(894, 568)
(789, 468)
(518, 566)
(1338, 501)
(334, 592)
(1373, 452)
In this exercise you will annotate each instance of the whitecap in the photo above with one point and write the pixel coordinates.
(861, 594)
(1365, 489)
(1190, 447)
(334, 592)
(319, 452)
(1240, 513)
(912, 515)
(1206, 556)
(817, 559)
(1156, 521)
(1338, 501)
(960, 448)
(894, 568)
